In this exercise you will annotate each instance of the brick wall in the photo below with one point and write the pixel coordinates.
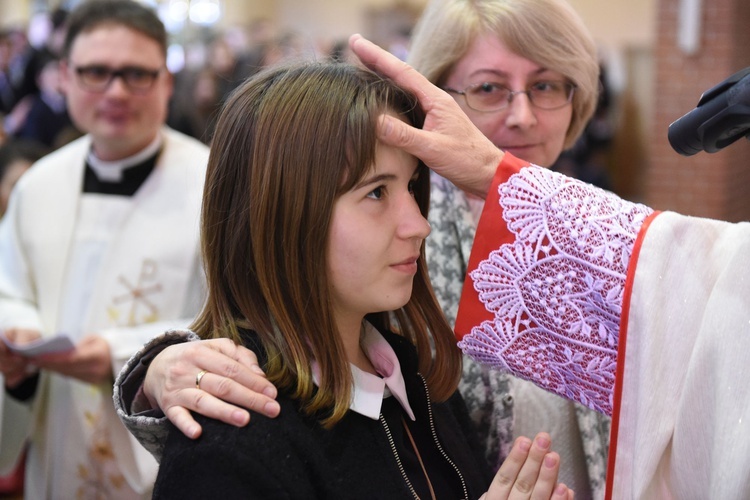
(707, 185)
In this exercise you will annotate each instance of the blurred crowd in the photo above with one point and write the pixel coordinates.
(33, 116)
(32, 105)
(216, 63)
(35, 120)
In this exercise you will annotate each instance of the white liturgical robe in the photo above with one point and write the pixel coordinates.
(123, 268)
(638, 314)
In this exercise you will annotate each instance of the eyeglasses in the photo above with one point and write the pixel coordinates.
(96, 78)
(489, 96)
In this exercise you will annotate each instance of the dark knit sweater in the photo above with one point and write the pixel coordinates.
(293, 457)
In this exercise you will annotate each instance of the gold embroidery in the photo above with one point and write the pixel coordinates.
(97, 477)
(141, 308)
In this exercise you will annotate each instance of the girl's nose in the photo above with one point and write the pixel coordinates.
(413, 224)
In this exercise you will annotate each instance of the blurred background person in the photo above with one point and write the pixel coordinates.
(47, 120)
(28, 62)
(16, 157)
(7, 93)
(201, 90)
(100, 243)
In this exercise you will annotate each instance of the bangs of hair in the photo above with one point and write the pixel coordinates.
(379, 96)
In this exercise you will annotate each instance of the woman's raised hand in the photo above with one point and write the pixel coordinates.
(449, 143)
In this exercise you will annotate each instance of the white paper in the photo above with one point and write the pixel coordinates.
(52, 345)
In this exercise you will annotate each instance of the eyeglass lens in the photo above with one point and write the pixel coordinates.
(98, 78)
(490, 96)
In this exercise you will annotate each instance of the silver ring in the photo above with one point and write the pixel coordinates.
(198, 378)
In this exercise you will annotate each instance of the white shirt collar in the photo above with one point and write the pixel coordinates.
(111, 171)
(369, 390)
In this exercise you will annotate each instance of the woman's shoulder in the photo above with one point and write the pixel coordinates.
(269, 438)
(260, 460)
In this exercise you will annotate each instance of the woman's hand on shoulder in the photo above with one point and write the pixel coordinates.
(215, 378)
(529, 472)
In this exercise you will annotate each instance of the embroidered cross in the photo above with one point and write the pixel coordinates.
(137, 296)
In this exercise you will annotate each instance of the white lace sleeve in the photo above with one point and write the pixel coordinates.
(556, 292)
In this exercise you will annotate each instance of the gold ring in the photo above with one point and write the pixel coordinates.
(198, 378)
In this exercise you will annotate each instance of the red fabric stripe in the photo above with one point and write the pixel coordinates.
(614, 430)
(492, 232)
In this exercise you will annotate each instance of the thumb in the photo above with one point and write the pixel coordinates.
(399, 134)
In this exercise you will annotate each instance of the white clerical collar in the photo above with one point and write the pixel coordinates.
(111, 171)
(369, 390)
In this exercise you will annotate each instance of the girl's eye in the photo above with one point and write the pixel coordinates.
(377, 193)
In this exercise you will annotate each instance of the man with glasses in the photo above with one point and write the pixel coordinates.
(101, 244)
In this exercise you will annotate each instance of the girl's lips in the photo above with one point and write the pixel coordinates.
(407, 266)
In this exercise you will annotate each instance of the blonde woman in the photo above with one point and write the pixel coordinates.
(526, 74)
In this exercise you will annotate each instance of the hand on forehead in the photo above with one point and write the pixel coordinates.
(449, 143)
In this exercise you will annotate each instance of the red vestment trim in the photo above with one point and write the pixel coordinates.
(492, 233)
(620, 373)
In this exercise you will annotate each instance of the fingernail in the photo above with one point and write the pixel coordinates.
(561, 489)
(524, 444)
(270, 392)
(257, 369)
(550, 461)
(271, 409)
(385, 126)
(240, 417)
(542, 442)
(193, 431)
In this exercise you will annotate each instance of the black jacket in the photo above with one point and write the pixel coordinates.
(293, 457)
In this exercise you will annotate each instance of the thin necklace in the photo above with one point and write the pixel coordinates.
(419, 458)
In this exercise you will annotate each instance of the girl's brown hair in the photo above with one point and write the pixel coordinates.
(288, 143)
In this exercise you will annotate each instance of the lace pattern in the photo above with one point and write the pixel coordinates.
(556, 292)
